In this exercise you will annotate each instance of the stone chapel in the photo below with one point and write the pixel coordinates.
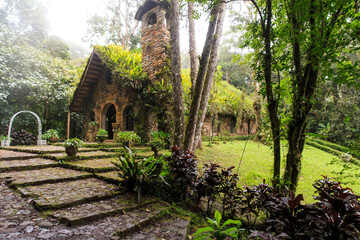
(106, 104)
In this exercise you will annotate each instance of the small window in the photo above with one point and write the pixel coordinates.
(129, 118)
(232, 124)
(152, 19)
(92, 116)
(108, 77)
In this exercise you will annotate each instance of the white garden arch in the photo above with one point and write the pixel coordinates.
(39, 141)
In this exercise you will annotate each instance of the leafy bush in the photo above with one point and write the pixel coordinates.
(22, 137)
(208, 184)
(102, 132)
(183, 166)
(254, 200)
(159, 140)
(229, 191)
(136, 174)
(219, 231)
(93, 123)
(335, 215)
(127, 138)
(51, 134)
(101, 135)
(3, 138)
(73, 142)
(218, 183)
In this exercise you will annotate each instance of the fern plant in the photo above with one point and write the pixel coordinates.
(219, 231)
(136, 173)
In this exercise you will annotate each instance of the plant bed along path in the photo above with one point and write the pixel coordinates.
(96, 209)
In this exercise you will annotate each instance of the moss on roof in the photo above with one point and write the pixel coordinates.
(125, 65)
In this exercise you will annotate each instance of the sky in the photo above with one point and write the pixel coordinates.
(67, 18)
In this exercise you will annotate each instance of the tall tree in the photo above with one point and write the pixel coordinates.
(192, 45)
(311, 35)
(26, 19)
(265, 22)
(209, 76)
(117, 25)
(215, 18)
(178, 109)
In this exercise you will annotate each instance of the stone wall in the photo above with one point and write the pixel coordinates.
(102, 97)
(223, 126)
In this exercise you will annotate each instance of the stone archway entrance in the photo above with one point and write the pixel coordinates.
(39, 141)
(108, 118)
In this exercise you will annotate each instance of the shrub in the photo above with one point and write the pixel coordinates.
(73, 142)
(208, 184)
(183, 166)
(137, 173)
(335, 215)
(102, 132)
(254, 200)
(51, 135)
(229, 191)
(3, 138)
(22, 137)
(159, 140)
(101, 135)
(219, 231)
(127, 138)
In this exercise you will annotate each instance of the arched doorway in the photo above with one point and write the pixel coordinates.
(108, 118)
(129, 119)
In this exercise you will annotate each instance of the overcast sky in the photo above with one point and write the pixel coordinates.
(67, 19)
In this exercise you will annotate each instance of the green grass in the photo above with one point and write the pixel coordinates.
(257, 164)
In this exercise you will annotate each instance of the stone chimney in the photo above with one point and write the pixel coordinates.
(155, 38)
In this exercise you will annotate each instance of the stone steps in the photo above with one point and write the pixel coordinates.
(140, 218)
(7, 155)
(80, 155)
(174, 228)
(66, 194)
(89, 212)
(29, 164)
(42, 176)
(88, 202)
(92, 165)
(111, 177)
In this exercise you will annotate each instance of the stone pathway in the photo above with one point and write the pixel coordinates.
(77, 193)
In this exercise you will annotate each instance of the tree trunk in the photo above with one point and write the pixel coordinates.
(192, 46)
(272, 101)
(178, 109)
(209, 75)
(296, 141)
(195, 103)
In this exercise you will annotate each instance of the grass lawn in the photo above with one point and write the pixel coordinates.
(257, 164)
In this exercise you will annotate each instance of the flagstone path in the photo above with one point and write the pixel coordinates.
(46, 195)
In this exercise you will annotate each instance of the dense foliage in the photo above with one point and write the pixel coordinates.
(127, 138)
(224, 97)
(35, 73)
(124, 64)
(159, 140)
(137, 174)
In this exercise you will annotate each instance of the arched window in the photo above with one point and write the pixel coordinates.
(129, 118)
(151, 19)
